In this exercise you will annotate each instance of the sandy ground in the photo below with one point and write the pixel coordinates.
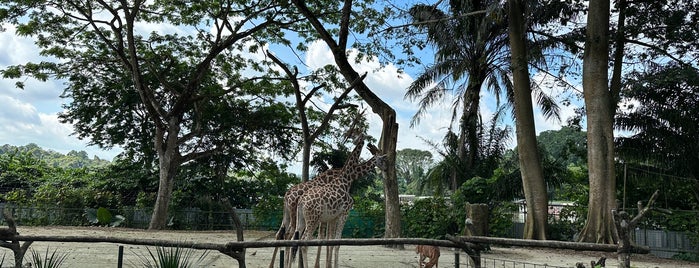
(84, 255)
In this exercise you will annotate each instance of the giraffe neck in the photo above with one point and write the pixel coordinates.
(353, 158)
(352, 173)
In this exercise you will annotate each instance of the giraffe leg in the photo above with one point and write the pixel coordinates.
(282, 233)
(322, 234)
(329, 249)
(309, 222)
(290, 217)
(339, 226)
(307, 235)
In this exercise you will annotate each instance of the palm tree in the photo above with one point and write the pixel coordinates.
(472, 53)
(493, 147)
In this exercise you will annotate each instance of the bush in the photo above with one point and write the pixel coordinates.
(429, 218)
(268, 212)
(366, 219)
(501, 220)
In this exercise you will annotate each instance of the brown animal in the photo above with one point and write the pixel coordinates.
(427, 251)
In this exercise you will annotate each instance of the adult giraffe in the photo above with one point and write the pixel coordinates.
(292, 196)
(330, 204)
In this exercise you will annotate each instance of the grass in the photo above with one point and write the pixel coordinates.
(169, 257)
(48, 260)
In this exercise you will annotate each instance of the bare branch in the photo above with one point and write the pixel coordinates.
(477, 12)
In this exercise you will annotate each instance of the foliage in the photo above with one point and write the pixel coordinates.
(662, 111)
(568, 145)
(370, 209)
(501, 223)
(411, 166)
(73, 159)
(452, 169)
(661, 31)
(687, 256)
(103, 217)
(268, 213)
(429, 218)
(167, 257)
(52, 260)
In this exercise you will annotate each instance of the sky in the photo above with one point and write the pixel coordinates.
(30, 115)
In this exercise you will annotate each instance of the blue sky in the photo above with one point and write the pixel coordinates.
(30, 115)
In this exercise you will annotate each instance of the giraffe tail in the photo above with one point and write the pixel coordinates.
(281, 233)
(294, 249)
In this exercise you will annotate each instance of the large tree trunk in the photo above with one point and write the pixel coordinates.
(389, 133)
(169, 163)
(599, 227)
(389, 138)
(529, 160)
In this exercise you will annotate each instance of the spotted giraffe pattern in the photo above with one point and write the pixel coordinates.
(330, 204)
(292, 196)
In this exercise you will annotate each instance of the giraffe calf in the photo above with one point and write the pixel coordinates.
(427, 251)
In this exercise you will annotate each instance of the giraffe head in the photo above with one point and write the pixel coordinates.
(379, 159)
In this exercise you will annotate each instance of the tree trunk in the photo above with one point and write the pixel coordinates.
(529, 160)
(477, 218)
(169, 162)
(306, 162)
(599, 227)
(468, 127)
(389, 138)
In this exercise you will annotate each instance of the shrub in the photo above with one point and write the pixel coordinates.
(52, 260)
(429, 218)
(172, 258)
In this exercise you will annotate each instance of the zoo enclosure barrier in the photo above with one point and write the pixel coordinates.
(662, 243)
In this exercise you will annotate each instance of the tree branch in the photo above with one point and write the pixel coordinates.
(477, 12)
(658, 49)
(344, 24)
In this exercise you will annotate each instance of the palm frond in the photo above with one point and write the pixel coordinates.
(548, 105)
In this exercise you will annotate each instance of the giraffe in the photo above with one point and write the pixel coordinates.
(330, 204)
(291, 197)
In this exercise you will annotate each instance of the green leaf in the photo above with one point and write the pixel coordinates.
(104, 217)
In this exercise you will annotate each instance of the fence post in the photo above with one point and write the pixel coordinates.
(281, 258)
(456, 257)
(120, 258)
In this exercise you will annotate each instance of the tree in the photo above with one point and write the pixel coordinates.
(666, 35)
(411, 166)
(471, 53)
(493, 147)
(567, 144)
(310, 133)
(389, 134)
(169, 97)
(662, 111)
(600, 107)
(529, 159)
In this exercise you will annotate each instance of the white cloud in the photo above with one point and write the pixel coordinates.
(17, 49)
(16, 111)
(23, 124)
(29, 115)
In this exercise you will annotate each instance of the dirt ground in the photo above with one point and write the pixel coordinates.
(89, 255)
